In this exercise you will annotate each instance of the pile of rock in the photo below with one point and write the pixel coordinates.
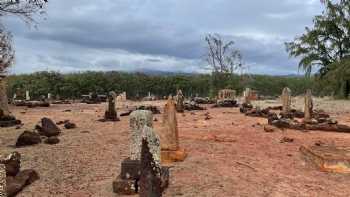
(312, 120)
(226, 103)
(153, 109)
(15, 179)
(47, 131)
(192, 106)
(201, 100)
(31, 104)
(8, 121)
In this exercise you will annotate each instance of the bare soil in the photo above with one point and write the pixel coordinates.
(228, 155)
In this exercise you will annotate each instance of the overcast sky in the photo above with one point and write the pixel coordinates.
(165, 35)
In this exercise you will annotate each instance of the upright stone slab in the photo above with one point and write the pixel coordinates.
(286, 100)
(308, 106)
(27, 96)
(111, 112)
(2, 180)
(127, 182)
(169, 135)
(150, 180)
(4, 109)
(138, 119)
(246, 95)
(180, 99)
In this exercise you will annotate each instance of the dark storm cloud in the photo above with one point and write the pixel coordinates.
(162, 34)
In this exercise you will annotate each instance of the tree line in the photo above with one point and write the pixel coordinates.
(138, 85)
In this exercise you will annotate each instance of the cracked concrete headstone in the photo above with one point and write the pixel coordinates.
(286, 100)
(127, 182)
(2, 180)
(150, 180)
(138, 119)
(308, 106)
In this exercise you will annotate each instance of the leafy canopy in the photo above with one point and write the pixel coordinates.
(327, 42)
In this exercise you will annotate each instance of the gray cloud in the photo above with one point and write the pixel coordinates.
(159, 34)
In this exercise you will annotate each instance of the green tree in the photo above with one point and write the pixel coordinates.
(327, 42)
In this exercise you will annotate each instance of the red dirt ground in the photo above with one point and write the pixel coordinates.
(228, 155)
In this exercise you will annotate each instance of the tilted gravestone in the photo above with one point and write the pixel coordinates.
(127, 182)
(151, 170)
(308, 106)
(286, 100)
(169, 135)
(2, 180)
(111, 112)
(180, 99)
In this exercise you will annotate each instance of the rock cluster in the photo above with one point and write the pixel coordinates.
(16, 179)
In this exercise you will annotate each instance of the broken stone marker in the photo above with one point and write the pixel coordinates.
(328, 158)
(308, 106)
(2, 180)
(151, 171)
(180, 102)
(127, 182)
(169, 135)
(111, 113)
(286, 100)
(138, 119)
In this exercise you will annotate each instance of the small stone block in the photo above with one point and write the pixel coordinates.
(125, 187)
(169, 156)
(130, 169)
(328, 158)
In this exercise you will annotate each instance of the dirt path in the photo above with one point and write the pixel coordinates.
(229, 155)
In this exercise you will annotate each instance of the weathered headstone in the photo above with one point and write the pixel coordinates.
(27, 95)
(169, 135)
(2, 180)
(150, 180)
(308, 108)
(4, 109)
(138, 119)
(246, 95)
(226, 94)
(127, 182)
(111, 112)
(180, 99)
(286, 100)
